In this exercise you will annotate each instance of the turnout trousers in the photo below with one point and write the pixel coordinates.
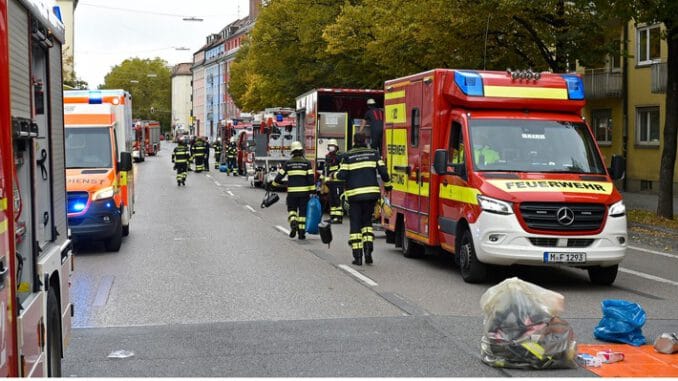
(361, 236)
(335, 190)
(182, 171)
(296, 213)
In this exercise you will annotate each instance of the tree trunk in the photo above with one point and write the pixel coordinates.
(668, 160)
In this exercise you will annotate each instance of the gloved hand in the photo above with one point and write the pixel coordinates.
(388, 188)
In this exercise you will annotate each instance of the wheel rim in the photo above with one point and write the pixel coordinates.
(405, 244)
(465, 257)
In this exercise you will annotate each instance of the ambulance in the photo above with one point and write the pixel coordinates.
(98, 174)
(500, 169)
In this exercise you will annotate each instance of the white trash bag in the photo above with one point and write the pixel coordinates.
(522, 327)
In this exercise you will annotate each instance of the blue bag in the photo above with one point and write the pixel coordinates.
(223, 168)
(313, 214)
(621, 322)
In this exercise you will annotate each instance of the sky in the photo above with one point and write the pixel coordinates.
(108, 32)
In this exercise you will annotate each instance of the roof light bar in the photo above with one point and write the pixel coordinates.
(469, 82)
(575, 86)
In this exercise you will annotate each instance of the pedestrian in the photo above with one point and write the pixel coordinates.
(358, 170)
(198, 154)
(374, 117)
(217, 153)
(207, 153)
(335, 187)
(300, 186)
(232, 157)
(180, 157)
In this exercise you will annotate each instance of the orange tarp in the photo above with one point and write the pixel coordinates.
(641, 361)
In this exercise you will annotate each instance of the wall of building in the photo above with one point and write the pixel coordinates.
(181, 101)
(68, 17)
(199, 116)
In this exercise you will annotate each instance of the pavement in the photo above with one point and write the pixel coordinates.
(646, 201)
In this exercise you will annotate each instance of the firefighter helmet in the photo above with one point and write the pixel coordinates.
(371, 102)
(296, 146)
(332, 142)
(232, 139)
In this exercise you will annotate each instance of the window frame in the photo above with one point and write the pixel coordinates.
(596, 117)
(415, 126)
(648, 29)
(648, 110)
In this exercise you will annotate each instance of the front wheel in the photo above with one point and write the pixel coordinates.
(53, 336)
(114, 243)
(472, 270)
(409, 248)
(603, 276)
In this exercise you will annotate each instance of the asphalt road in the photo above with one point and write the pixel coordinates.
(208, 284)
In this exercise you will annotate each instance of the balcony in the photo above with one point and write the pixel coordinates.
(659, 75)
(602, 83)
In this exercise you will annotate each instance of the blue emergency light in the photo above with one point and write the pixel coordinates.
(95, 97)
(78, 207)
(575, 87)
(469, 82)
(278, 117)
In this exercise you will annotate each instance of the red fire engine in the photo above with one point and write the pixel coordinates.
(35, 251)
(501, 169)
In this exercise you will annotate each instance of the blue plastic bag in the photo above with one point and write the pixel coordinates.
(313, 214)
(621, 323)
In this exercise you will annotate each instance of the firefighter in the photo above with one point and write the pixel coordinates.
(180, 158)
(358, 170)
(300, 185)
(335, 187)
(207, 153)
(198, 154)
(374, 117)
(232, 157)
(217, 153)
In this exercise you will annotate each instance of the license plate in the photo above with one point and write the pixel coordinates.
(550, 257)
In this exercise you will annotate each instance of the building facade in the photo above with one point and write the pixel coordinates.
(198, 115)
(67, 8)
(626, 106)
(181, 97)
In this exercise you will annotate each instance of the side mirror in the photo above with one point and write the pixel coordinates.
(618, 167)
(440, 160)
(125, 163)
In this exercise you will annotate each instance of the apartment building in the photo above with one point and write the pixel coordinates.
(626, 105)
(181, 96)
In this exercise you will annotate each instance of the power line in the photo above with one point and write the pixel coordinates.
(139, 11)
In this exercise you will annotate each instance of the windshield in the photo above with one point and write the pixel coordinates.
(88, 147)
(533, 146)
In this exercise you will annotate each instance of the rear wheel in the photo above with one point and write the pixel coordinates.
(604, 276)
(472, 270)
(114, 243)
(409, 248)
(53, 336)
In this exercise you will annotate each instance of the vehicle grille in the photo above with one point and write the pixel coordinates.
(76, 198)
(544, 216)
(553, 242)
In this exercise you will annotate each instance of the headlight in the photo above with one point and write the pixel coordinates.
(617, 209)
(103, 193)
(493, 205)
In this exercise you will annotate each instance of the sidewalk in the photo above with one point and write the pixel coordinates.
(645, 201)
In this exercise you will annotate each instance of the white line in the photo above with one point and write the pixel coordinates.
(218, 183)
(209, 176)
(282, 229)
(648, 276)
(250, 208)
(653, 252)
(230, 193)
(358, 275)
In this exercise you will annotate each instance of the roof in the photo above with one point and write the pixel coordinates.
(183, 68)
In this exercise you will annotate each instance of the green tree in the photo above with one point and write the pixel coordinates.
(149, 83)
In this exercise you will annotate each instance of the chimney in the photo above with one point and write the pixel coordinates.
(254, 8)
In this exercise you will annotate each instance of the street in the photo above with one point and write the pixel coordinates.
(208, 284)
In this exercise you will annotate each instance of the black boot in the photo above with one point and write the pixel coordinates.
(302, 235)
(293, 229)
(357, 257)
(368, 252)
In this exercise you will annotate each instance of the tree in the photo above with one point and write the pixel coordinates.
(149, 83)
(70, 80)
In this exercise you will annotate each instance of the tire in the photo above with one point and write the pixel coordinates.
(409, 248)
(53, 336)
(472, 270)
(125, 231)
(603, 276)
(114, 243)
(390, 236)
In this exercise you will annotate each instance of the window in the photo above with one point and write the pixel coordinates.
(455, 149)
(648, 43)
(601, 123)
(647, 125)
(414, 131)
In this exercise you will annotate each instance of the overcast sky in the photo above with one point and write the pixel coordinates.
(108, 32)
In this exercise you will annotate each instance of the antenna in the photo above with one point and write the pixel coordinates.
(487, 28)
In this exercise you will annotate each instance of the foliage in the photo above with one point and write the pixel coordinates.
(149, 82)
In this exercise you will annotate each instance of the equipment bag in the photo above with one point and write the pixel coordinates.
(270, 198)
(313, 214)
(621, 323)
(223, 168)
(325, 231)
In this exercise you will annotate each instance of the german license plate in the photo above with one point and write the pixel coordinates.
(556, 257)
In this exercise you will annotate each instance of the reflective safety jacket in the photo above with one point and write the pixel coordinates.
(332, 162)
(180, 154)
(359, 170)
(232, 150)
(300, 179)
(199, 149)
(217, 150)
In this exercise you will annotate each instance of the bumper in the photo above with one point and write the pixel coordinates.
(514, 246)
(100, 221)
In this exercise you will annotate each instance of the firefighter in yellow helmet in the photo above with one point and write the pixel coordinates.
(359, 169)
(300, 186)
(232, 157)
(335, 187)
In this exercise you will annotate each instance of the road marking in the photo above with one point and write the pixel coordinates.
(179, 238)
(358, 275)
(648, 276)
(104, 289)
(250, 208)
(209, 176)
(230, 193)
(282, 229)
(218, 183)
(653, 252)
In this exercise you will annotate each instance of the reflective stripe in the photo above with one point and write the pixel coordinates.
(309, 172)
(360, 165)
(381, 163)
(388, 184)
(296, 172)
(3, 204)
(123, 178)
(367, 229)
(459, 193)
(355, 237)
(363, 190)
(3, 226)
(301, 188)
(281, 171)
